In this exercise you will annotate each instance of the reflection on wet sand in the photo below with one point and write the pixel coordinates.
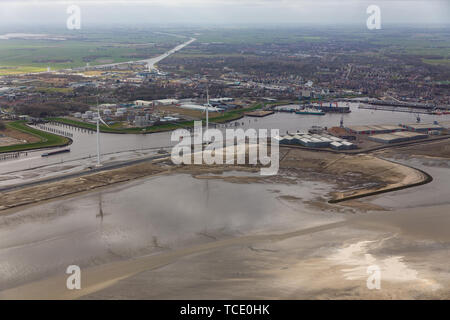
(140, 217)
(227, 235)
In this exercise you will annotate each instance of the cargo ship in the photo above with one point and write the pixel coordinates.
(308, 111)
(334, 109)
(53, 153)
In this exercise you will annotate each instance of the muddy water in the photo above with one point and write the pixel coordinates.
(432, 194)
(84, 148)
(144, 217)
(292, 122)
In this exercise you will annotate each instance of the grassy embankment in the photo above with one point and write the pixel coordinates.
(226, 117)
(47, 139)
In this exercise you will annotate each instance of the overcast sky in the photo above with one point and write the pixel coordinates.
(273, 12)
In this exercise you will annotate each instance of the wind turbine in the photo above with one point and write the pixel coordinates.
(207, 108)
(99, 119)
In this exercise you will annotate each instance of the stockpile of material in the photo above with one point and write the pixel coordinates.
(374, 129)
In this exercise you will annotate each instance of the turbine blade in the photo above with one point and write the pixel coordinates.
(101, 120)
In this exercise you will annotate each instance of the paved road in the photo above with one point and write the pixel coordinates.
(113, 166)
(151, 61)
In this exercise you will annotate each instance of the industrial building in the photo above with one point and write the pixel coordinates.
(316, 141)
(143, 103)
(286, 139)
(142, 121)
(422, 127)
(169, 119)
(162, 102)
(221, 100)
(192, 106)
(337, 146)
(166, 102)
(374, 129)
(396, 137)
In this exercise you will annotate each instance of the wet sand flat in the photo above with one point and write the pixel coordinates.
(323, 262)
(219, 234)
(135, 219)
(356, 175)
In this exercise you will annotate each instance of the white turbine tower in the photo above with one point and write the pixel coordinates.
(207, 108)
(99, 119)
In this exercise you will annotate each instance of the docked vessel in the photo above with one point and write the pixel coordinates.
(335, 108)
(309, 111)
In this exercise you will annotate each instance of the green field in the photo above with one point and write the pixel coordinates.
(27, 56)
(105, 129)
(47, 139)
(118, 45)
(243, 35)
(13, 70)
(445, 62)
(33, 56)
(54, 90)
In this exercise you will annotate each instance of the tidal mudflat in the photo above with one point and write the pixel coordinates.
(228, 233)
